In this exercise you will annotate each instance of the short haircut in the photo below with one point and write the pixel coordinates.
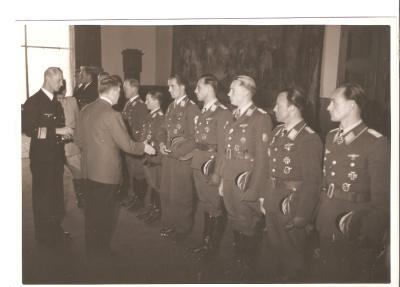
(295, 96)
(247, 82)
(156, 95)
(134, 83)
(107, 83)
(179, 80)
(353, 91)
(52, 71)
(211, 80)
(89, 71)
(102, 75)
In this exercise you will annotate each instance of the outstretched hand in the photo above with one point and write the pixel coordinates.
(148, 149)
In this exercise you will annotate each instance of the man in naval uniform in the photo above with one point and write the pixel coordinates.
(209, 137)
(295, 174)
(43, 121)
(243, 170)
(353, 215)
(176, 177)
(134, 114)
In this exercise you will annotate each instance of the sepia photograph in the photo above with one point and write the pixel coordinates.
(209, 152)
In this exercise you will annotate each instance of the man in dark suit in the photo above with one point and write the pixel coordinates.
(87, 93)
(101, 134)
(43, 121)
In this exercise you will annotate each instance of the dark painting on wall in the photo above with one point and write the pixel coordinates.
(275, 56)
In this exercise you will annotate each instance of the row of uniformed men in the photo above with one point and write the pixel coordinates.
(240, 164)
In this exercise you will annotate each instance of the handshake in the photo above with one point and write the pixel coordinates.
(149, 149)
(164, 150)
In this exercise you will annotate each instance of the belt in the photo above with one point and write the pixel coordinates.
(233, 154)
(352, 196)
(292, 185)
(206, 147)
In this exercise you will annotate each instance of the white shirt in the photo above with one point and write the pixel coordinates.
(243, 109)
(50, 95)
(177, 101)
(346, 130)
(105, 99)
(208, 106)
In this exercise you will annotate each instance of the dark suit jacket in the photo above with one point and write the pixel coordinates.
(101, 134)
(40, 112)
(87, 95)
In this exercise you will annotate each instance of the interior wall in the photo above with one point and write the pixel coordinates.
(329, 75)
(114, 39)
(164, 37)
(154, 41)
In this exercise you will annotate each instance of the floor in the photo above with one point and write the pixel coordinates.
(142, 255)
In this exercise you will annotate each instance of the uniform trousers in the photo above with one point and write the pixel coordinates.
(287, 246)
(47, 200)
(244, 215)
(209, 198)
(344, 262)
(177, 194)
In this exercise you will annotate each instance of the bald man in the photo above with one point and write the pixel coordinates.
(43, 121)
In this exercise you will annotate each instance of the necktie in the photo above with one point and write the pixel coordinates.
(284, 132)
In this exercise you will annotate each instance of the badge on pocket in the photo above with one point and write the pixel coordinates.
(42, 133)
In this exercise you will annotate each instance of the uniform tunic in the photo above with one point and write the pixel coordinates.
(152, 133)
(41, 117)
(176, 191)
(354, 206)
(134, 114)
(245, 150)
(209, 136)
(295, 174)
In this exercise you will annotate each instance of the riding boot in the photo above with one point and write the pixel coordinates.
(205, 245)
(217, 226)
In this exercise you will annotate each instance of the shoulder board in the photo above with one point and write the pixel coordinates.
(334, 130)
(309, 130)
(375, 133)
(261, 111)
(222, 107)
(193, 103)
(160, 113)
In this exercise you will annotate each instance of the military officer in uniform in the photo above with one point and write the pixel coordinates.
(134, 114)
(295, 174)
(209, 138)
(43, 121)
(152, 133)
(353, 215)
(177, 192)
(243, 170)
